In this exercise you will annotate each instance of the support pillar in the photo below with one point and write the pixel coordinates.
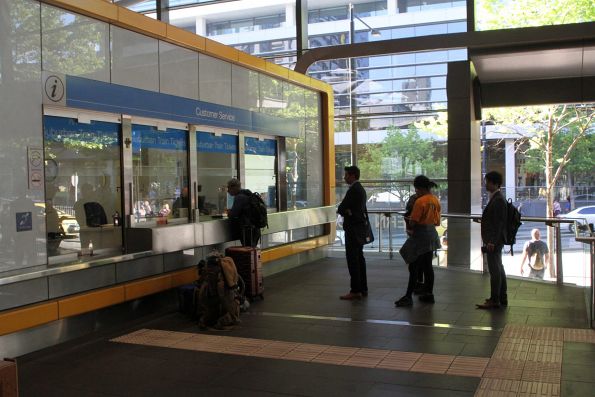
(510, 167)
(464, 166)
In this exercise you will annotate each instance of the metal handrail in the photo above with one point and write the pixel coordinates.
(551, 222)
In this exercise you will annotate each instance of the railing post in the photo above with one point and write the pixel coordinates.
(390, 236)
(559, 267)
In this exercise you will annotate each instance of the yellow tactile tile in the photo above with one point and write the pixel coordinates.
(548, 333)
(538, 389)
(468, 366)
(579, 335)
(504, 369)
(498, 387)
(367, 358)
(542, 372)
(517, 331)
(335, 355)
(400, 361)
(433, 363)
(526, 361)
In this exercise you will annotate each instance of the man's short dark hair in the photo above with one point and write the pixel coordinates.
(352, 170)
(495, 177)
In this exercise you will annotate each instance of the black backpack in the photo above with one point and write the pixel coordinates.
(257, 214)
(513, 222)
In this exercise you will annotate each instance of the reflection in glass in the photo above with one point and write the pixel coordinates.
(74, 44)
(82, 187)
(261, 159)
(217, 163)
(160, 173)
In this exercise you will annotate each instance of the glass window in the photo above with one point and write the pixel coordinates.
(160, 173)
(427, 30)
(313, 153)
(260, 156)
(456, 27)
(74, 44)
(424, 70)
(217, 156)
(82, 186)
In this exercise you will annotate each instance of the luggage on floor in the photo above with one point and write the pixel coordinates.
(187, 299)
(249, 265)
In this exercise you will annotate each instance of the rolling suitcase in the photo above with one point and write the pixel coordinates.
(247, 260)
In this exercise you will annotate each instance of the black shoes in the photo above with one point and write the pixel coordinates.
(427, 298)
(405, 301)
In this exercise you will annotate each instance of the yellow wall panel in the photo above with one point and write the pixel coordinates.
(140, 23)
(23, 318)
(299, 78)
(184, 277)
(93, 8)
(90, 301)
(277, 70)
(251, 61)
(221, 50)
(147, 287)
(185, 38)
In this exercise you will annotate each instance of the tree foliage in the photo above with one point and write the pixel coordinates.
(503, 14)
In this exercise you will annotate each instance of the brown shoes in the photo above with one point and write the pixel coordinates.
(488, 305)
(352, 296)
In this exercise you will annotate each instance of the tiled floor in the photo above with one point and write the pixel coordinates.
(303, 341)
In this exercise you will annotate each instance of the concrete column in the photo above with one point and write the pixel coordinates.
(464, 167)
(391, 7)
(201, 26)
(510, 167)
(290, 15)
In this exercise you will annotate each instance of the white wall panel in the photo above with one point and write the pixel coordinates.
(214, 80)
(74, 44)
(178, 71)
(20, 112)
(135, 59)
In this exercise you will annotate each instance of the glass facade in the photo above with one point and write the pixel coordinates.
(82, 186)
(160, 173)
(217, 155)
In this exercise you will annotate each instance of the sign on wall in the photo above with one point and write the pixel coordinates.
(35, 167)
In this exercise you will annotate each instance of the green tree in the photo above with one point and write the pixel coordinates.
(402, 155)
(503, 14)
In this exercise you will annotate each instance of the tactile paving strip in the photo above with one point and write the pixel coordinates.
(528, 361)
(337, 355)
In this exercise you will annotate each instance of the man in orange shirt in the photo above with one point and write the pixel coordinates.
(423, 240)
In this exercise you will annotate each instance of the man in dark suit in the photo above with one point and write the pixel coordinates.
(493, 232)
(353, 210)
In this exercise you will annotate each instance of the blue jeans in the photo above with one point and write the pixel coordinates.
(497, 276)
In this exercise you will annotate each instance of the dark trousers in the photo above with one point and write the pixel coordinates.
(249, 236)
(421, 266)
(498, 286)
(356, 263)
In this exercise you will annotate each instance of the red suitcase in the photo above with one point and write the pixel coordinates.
(249, 265)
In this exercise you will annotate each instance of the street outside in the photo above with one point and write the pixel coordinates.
(575, 255)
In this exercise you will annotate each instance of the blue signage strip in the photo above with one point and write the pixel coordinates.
(113, 98)
(209, 142)
(145, 137)
(267, 147)
(58, 129)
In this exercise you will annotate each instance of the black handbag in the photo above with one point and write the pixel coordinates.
(369, 237)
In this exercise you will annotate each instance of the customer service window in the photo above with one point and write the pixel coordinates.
(217, 163)
(82, 184)
(160, 174)
(260, 159)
